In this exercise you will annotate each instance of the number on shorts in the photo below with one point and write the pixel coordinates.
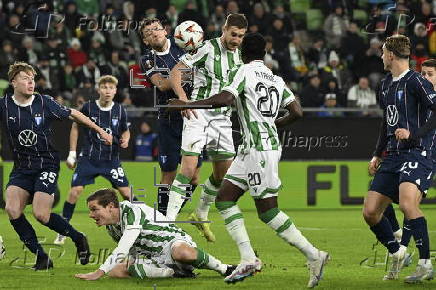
(117, 172)
(254, 179)
(50, 176)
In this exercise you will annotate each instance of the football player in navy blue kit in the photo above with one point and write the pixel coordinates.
(96, 158)
(405, 174)
(163, 54)
(26, 117)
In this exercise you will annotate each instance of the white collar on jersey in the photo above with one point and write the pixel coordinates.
(394, 79)
(104, 108)
(29, 103)
(166, 51)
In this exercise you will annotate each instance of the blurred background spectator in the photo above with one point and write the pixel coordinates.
(146, 144)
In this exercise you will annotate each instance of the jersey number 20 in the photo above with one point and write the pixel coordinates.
(268, 102)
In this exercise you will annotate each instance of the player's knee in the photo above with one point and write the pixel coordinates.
(408, 208)
(370, 215)
(13, 211)
(42, 217)
(75, 193)
(181, 253)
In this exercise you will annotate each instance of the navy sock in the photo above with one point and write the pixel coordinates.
(162, 199)
(390, 215)
(61, 226)
(188, 194)
(68, 210)
(420, 234)
(385, 235)
(407, 233)
(27, 235)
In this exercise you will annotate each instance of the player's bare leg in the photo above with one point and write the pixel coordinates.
(177, 193)
(373, 208)
(16, 201)
(184, 253)
(42, 204)
(68, 210)
(208, 196)
(125, 192)
(228, 195)
(409, 205)
(268, 212)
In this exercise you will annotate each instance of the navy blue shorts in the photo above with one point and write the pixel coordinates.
(170, 142)
(87, 170)
(34, 180)
(414, 167)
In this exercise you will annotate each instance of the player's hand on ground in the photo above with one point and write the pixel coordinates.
(72, 160)
(373, 165)
(402, 134)
(91, 276)
(124, 143)
(106, 137)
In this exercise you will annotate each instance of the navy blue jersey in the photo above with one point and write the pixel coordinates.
(406, 104)
(153, 62)
(113, 120)
(28, 128)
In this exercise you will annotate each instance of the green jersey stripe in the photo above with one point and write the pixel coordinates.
(158, 239)
(271, 136)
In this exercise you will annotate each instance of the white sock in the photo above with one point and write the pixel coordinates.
(425, 262)
(175, 199)
(235, 226)
(398, 234)
(216, 265)
(287, 231)
(207, 197)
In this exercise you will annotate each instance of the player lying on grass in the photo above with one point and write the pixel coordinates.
(258, 94)
(169, 250)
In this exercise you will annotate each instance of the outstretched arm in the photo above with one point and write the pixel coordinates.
(294, 113)
(72, 156)
(118, 256)
(222, 99)
(78, 117)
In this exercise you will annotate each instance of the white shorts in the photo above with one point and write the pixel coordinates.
(165, 257)
(210, 130)
(257, 171)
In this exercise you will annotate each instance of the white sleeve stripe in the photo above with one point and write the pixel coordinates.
(121, 251)
(423, 88)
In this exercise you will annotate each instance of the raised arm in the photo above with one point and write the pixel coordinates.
(78, 117)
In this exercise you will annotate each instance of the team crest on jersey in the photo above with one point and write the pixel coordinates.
(400, 95)
(38, 119)
(114, 122)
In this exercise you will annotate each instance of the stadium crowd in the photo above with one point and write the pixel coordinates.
(327, 51)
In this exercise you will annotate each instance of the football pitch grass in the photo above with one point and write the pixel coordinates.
(341, 231)
(354, 264)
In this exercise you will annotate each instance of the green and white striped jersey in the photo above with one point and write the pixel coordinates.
(211, 64)
(153, 236)
(259, 94)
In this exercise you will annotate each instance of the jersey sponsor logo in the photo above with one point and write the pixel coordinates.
(94, 119)
(12, 118)
(107, 130)
(38, 119)
(163, 158)
(392, 115)
(27, 138)
(114, 122)
(400, 95)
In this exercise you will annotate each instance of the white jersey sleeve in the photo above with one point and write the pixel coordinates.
(191, 60)
(287, 96)
(237, 81)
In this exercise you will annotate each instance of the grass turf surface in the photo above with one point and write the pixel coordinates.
(343, 234)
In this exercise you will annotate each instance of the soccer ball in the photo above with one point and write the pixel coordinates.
(188, 35)
(2, 249)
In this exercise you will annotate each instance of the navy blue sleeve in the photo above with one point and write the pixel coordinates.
(55, 110)
(146, 63)
(2, 101)
(86, 109)
(424, 91)
(124, 126)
